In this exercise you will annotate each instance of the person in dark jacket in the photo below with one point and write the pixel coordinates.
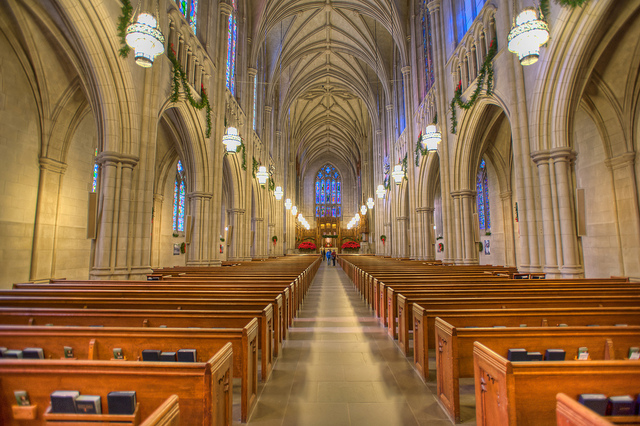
(333, 257)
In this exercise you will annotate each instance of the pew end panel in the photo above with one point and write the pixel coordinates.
(168, 414)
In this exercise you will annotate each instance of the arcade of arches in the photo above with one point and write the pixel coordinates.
(105, 174)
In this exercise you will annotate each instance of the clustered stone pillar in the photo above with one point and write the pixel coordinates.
(236, 219)
(199, 229)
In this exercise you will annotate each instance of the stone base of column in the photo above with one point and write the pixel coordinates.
(138, 273)
(552, 272)
(572, 271)
(198, 263)
(247, 259)
(470, 262)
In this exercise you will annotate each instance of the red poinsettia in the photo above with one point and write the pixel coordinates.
(307, 245)
(351, 245)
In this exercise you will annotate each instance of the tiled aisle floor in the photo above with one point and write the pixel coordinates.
(339, 367)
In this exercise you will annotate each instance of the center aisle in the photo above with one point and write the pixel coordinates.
(339, 367)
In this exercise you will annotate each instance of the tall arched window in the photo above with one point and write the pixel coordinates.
(189, 9)
(427, 43)
(94, 186)
(482, 198)
(179, 192)
(232, 37)
(466, 11)
(328, 192)
(255, 99)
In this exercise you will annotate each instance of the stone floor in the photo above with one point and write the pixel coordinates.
(339, 367)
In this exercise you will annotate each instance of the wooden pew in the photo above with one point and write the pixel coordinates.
(524, 393)
(536, 296)
(424, 322)
(569, 412)
(203, 388)
(151, 318)
(454, 353)
(97, 343)
(152, 304)
(167, 414)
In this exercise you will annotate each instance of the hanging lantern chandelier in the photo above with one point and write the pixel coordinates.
(380, 191)
(398, 174)
(370, 203)
(262, 175)
(231, 139)
(278, 193)
(287, 204)
(528, 33)
(363, 210)
(145, 38)
(431, 138)
(294, 210)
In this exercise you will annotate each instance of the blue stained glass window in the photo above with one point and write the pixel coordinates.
(466, 11)
(231, 53)
(482, 197)
(94, 186)
(317, 211)
(183, 6)
(255, 99)
(328, 191)
(193, 16)
(179, 195)
(427, 43)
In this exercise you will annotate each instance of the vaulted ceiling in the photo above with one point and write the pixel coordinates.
(329, 68)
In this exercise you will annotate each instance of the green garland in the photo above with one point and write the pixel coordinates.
(123, 23)
(419, 150)
(404, 165)
(271, 185)
(178, 76)
(255, 167)
(485, 71)
(544, 6)
(329, 236)
(244, 156)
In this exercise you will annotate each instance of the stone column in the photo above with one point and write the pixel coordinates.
(571, 267)
(457, 241)
(156, 232)
(623, 176)
(44, 234)
(541, 159)
(197, 250)
(507, 218)
(429, 241)
(236, 219)
(411, 172)
(467, 199)
(402, 223)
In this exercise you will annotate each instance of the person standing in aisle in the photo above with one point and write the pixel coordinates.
(328, 257)
(333, 257)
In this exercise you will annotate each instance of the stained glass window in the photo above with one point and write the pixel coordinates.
(482, 197)
(179, 193)
(466, 12)
(231, 53)
(189, 9)
(427, 43)
(255, 99)
(328, 192)
(94, 186)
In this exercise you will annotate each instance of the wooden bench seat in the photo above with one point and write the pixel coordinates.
(424, 322)
(151, 318)
(524, 393)
(569, 412)
(204, 389)
(552, 295)
(454, 353)
(97, 343)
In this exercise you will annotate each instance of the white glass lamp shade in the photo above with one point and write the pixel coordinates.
(370, 203)
(363, 210)
(357, 218)
(527, 35)
(278, 193)
(380, 191)
(262, 175)
(294, 210)
(146, 40)
(231, 139)
(287, 204)
(431, 138)
(398, 174)
(300, 217)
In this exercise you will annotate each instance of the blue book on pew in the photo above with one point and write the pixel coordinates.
(64, 401)
(168, 356)
(33, 353)
(517, 355)
(151, 355)
(554, 355)
(595, 401)
(12, 353)
(122, 402)
(622, 405)
(187, 355)
(534, 356)
(89, 404)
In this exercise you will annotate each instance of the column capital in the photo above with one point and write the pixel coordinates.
(278, 133)
(158, 197)
(405, 71)
(463, 193)
(624, 160)
(199, 194)
(433, 6)
(52, 165)
(425, 209)
(562, 154)
(117, 157)
(239, 211)
(403, 218)
(252, 72)
(225, 8)
(268, 109)
(505, 195)
(540, 157)
(389, 107)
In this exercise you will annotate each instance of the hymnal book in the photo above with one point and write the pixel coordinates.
(554, 355)
(634, 353)
(68, 352)
(117, 353)
(123, 402)
(517, 355)
(12, 353)
(595, 401)
(162, 326)
(2, 351)
(499, 326)
(22, 398)
(563, 325)
(622, 405)
(534, 356)
(523, 325)
(88, 404)
(64, 401)
(33, 353)
(583, 353)
(187, 355)
(168, 356)
(151, 355)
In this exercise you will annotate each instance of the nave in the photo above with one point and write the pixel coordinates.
(340, 367)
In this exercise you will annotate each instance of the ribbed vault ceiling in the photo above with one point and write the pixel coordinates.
(328, 62)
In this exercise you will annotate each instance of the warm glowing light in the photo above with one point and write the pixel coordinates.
(370, 203)
(363, 210)
(380, 191)
(398, 174)
(278, 193)
(262, 175)
(287, 204)
(144, 37)
(431, 138)
(527, 35)
(294, 210)
(231, 139)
